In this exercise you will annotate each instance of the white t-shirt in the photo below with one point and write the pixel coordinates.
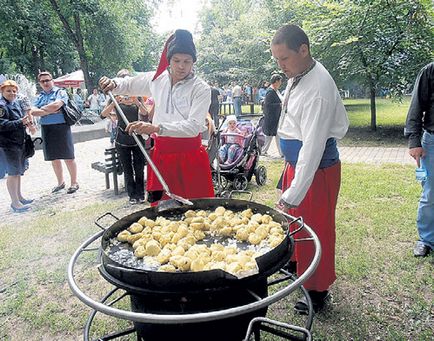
(93, 102)
(237, 91)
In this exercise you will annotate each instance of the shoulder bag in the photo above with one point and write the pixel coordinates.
(71, 113)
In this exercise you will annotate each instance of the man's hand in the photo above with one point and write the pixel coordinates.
(142, 128)
(417, 153)
(106, 84)
(284, 206)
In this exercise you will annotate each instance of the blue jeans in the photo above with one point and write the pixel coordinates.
(237, 106)
(425, 213)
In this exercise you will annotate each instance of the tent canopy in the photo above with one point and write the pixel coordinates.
(71, 80)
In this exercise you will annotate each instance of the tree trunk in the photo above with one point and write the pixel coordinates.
(85, 68)
(373, 106)
(35, 61)
(81, 53)
(77, 39)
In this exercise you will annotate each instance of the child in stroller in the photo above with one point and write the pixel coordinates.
(245, 162)
(234, 140)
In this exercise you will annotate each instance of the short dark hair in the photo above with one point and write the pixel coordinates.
(44, 73)
(274, 78)
(292, 36)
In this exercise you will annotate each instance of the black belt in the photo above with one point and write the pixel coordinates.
(429, 131)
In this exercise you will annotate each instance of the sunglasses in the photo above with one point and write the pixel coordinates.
(45, 80)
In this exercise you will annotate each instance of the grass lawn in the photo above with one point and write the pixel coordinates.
(382, 291)
(391, 117)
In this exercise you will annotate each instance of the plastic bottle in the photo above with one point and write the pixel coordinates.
(421, 174)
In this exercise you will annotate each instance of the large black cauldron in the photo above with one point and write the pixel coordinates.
(143, 281)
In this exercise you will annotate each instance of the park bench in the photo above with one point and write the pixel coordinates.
(111, 165)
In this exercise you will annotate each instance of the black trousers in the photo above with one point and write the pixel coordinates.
(133, 163)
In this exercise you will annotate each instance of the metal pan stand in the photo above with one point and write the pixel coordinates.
(108, 309)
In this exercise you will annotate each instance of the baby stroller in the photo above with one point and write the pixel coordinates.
(239, 172)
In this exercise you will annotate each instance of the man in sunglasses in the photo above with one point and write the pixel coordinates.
(56, 134)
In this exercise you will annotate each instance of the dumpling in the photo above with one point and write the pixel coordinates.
(247, 213)
(197, 264)
(140, 252)
(256, 217)
(152, 248)
(181, 262)
(220, 210)
(164, 256)
(178, 251)
(135, 228)
(190, 214)
(254, 238)
(242, 234)
(234, 268)
(199, 235)
(167, 268)
(218, 256)
(201, 213)
(123, 236)
(133, 237)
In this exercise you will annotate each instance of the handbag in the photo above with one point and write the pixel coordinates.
(71, 113)
(29, 146)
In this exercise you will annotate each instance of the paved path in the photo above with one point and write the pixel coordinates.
(374, 155)
(39, 179)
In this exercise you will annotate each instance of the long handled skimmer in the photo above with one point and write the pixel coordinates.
(163, 205)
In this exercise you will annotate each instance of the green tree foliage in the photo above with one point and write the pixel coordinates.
(108, 34)
(31, 40)
(99, 36)
(380, 44)
(235, 40)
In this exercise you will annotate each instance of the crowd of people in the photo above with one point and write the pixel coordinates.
(306, 122)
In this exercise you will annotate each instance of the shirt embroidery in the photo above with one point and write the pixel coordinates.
(295, 82)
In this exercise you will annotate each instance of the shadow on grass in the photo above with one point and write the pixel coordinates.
(387, 136)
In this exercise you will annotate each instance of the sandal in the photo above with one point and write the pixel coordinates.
(58, 188)
(21, 209)
(74, 188)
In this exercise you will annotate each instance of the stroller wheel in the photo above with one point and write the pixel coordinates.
(261, 175)
(240, 183)
(219, 188)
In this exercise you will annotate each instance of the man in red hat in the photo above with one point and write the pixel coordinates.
(181, 105)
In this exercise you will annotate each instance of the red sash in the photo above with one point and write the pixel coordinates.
(318, 211)
(184, 165)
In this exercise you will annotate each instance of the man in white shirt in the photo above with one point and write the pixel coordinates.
(237, 94)
(313, 117)
(93, 100)
(181, 105)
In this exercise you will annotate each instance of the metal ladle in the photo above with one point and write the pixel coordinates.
(176, 200)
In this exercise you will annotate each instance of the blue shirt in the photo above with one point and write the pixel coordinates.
(45, 98)
(262, 92)
(291, 149)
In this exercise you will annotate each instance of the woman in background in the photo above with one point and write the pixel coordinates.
(13, 123)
